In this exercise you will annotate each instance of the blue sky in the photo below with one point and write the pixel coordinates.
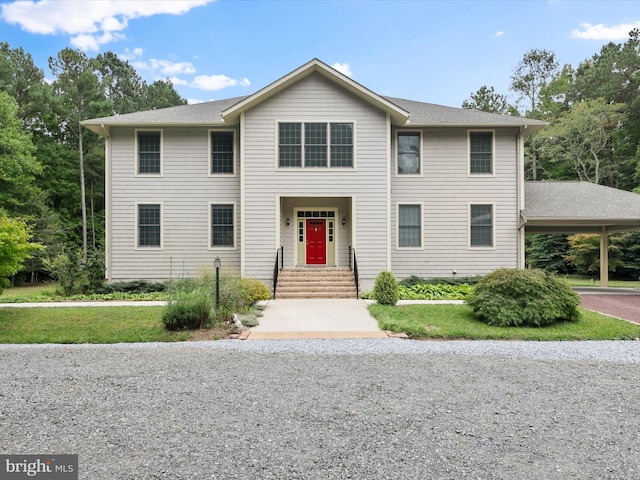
(431, 51)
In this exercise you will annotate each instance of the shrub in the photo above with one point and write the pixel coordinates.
(509, 297)
(188, 309)
(67, 268)
(415, 280)
(135, 286)
(428, 291)
(385, 289)
(255, 290)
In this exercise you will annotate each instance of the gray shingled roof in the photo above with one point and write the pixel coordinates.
(209, 113)
(571, 207)
(434, 115)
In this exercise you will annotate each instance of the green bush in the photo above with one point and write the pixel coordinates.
(135, 286)
(255, 290)
(188, 309)
(509, 297)
(385, 289)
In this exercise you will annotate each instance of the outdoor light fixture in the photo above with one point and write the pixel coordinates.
(217, 263)
(287, 221)
(344, 221)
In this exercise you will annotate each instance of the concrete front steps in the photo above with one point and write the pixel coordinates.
(316, 282)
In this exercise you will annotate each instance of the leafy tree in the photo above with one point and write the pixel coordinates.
(21, 79)
(161, 94)
(534, 72)
(79, 96)
(584, 253)
(18, 166)
(487, 100)
(122, 85)
(15, 247)
(547, 252)
(584, 137)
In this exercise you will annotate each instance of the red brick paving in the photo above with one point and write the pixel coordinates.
(617, 305)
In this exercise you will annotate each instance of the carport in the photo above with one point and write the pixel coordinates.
(580, 207)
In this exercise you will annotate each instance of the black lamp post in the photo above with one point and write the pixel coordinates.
(217, 263)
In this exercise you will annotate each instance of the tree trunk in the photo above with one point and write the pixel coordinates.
(83, 199)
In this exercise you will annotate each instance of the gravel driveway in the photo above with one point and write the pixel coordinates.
(331, 409)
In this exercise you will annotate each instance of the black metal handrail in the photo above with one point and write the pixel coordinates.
(353, 265)
(279, 265)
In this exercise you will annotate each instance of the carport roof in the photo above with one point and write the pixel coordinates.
(578, 207)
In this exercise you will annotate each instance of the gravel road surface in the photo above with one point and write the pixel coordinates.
(329, 409)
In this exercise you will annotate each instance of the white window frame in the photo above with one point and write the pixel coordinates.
(303, 167)
(210, 146)
(493, 226)
(137, 227)
(493, 153)
(235, 227)
(421, 162)
(137, 153)
(413, 204)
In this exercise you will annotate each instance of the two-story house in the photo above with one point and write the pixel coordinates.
(314, 168)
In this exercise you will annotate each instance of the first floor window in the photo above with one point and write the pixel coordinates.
(149, 225)
(222, 226)
(481, 153)
(149, 152)
(221, 152)
(409, 226)
(481, 226)
(408, 153)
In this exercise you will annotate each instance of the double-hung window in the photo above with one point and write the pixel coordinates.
(410, 226)
(149, 152)
(222, 225)
(315, 144)
(408, 153)
(222, 152)
(481, 153)
(149, 225)
(481, 226)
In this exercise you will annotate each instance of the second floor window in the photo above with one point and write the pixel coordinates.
(481, 153)
(221, 152)
(409, 153)
(149, 152)
(313, 145)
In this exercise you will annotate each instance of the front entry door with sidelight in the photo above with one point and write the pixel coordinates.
(316, 241)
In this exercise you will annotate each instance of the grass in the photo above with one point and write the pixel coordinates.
(457, 322)
(47, 293)
(85, 325)
(576, 281)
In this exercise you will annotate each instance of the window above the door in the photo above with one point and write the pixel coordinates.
(315, 145)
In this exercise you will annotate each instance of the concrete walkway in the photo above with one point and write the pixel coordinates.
(316, 318)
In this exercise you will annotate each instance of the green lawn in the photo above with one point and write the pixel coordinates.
(457, 322)
(575, 281)
(85, 325)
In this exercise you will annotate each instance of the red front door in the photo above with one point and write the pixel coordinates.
(316, 241)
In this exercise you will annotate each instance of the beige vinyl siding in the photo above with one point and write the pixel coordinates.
(185, 191)
(314, 99)
(445, 191)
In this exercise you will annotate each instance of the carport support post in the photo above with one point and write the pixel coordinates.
(604, 258)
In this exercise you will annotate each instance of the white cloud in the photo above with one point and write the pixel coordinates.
(89, 23)
(588, 31)
(500, 33)
(218, 82)
(344, 68)
(178, 81)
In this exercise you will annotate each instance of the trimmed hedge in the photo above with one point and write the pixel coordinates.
(385, 289)
(511, 297)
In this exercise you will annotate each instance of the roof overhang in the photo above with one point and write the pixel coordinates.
(578, 207)
(398, 114)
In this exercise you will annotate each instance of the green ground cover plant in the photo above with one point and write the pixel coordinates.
(457, 322)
